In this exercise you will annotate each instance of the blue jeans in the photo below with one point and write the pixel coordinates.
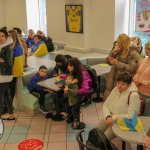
(73, 110)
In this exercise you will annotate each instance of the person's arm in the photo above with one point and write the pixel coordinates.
(146, 141)
(132, 64)
(85, 88)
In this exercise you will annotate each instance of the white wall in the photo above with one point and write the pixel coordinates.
(102, 23)
(121, 17)
(2, 14)
(103, 16)
(56, 27)
(16, 14)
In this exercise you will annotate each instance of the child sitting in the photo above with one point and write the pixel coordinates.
(72, 104)
(38, 90)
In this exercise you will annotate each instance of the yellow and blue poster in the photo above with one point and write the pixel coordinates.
(142, 21)
(74, 18)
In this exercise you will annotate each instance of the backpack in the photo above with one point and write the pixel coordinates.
(142, 104)
(93, 75)
(97, 139)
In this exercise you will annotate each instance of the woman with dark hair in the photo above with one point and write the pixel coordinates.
(61, 65)
(80, 73)
(6, 63)
(39, 48)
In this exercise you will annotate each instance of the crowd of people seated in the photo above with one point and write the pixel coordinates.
(128, 73)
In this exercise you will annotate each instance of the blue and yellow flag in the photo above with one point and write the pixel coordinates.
(130, 125)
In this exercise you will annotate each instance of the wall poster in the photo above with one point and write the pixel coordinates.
(142, 21)
(74, 18)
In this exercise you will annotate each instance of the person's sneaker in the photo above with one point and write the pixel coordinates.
(43, 110)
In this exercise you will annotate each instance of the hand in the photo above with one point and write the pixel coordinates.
(146, 141)
(137, 83)
(112, 60)
(59, 85)
(50, 91)
(2, 60)
(116, 50)
(109, 121)
(66, 90)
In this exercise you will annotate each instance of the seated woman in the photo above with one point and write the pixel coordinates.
(39, 48)
(61, 65)
(84, 80)
(116, 105)
(48, 41)
(142, 79)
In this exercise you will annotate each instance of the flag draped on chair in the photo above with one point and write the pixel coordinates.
(130, 125)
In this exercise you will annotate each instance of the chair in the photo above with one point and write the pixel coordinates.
(82, 146)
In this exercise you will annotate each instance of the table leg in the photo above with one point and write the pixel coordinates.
(123, 145)
(98, 99)
(139, 147)
(58, 116)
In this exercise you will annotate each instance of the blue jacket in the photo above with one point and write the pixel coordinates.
(33, 82)
(30, 42)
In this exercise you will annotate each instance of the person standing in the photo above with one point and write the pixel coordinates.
(6, 64)
(18, 60)
(126, 60)
(142, 79)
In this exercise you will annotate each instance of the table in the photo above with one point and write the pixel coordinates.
(133, 137)
(50, 84)
(100, 70)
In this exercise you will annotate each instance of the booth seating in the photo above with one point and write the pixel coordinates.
(25, 100)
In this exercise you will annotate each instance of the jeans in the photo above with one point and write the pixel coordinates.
(42, 95)
(73, 110)
(5, 92)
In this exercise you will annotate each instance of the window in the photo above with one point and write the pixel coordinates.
(36, 15)
(145, 36)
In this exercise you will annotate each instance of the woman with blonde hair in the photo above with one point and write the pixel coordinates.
(18, 60)
(126, 60)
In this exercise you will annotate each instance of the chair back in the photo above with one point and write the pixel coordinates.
(82, 146)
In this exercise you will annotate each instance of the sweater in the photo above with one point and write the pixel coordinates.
(86, 84)
(33, 82)
(116, 104)
(143, 76)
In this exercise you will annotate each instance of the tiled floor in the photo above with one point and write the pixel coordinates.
(55, 135)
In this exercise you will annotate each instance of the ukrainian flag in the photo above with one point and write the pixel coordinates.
(18, 61)
(130, 125)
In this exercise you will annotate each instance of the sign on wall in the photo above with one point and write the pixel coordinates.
(74, 18)
(142, 22)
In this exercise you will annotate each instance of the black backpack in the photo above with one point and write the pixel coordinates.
(93, 76)
(97, 139)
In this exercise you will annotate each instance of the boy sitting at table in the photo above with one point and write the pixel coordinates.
(72, 105)
(38, 90)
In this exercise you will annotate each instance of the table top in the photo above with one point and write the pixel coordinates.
(50, 84)
(131, 136)
(101, 70)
